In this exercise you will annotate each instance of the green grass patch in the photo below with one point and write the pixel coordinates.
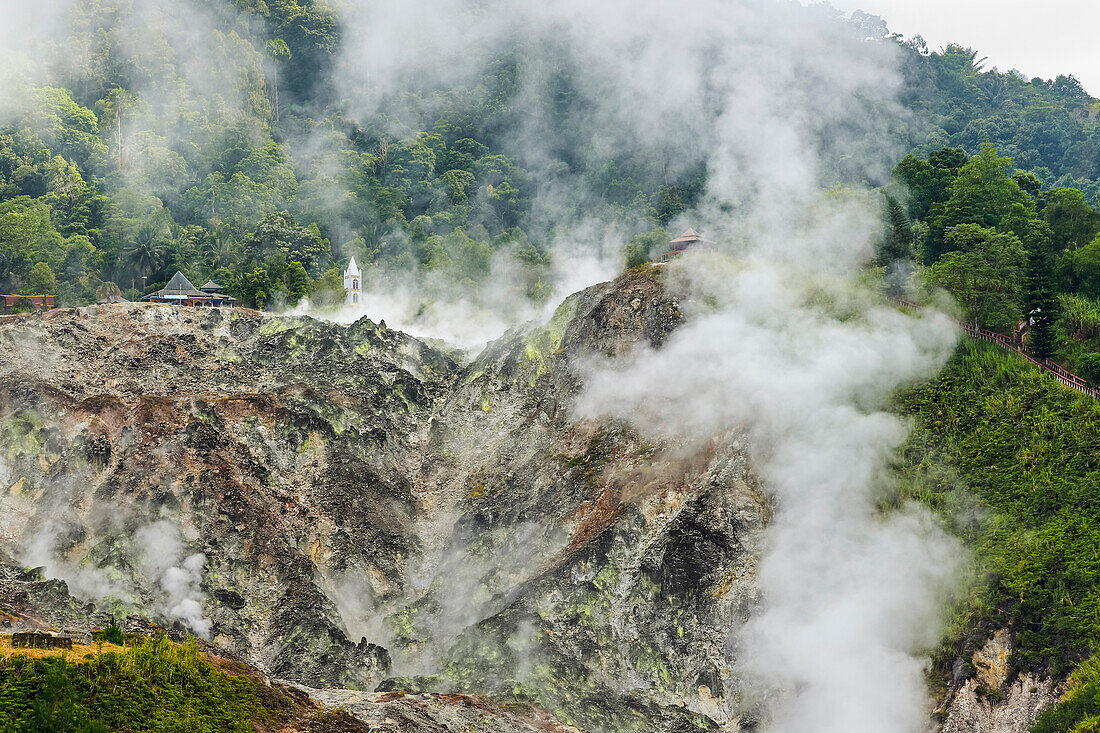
(1029, 451)
(1079, 710)
(154, 686)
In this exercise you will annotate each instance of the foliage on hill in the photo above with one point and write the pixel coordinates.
(1007, 250)
(214, 152)
(1024, 467)
(1049, 127)
(155, 686)
(1079, 709)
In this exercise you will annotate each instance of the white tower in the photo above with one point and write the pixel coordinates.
(353, 278)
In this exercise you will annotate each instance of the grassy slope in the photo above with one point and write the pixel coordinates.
(155, 685)
(1029, 449)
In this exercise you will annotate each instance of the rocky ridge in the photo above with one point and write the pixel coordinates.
(375, 516)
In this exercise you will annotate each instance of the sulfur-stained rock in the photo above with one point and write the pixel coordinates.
(368, 512)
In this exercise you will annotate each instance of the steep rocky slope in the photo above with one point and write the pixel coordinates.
(372, 514)
(404, 536)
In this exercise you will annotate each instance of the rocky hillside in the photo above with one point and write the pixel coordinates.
(425, 543)
(349, 507)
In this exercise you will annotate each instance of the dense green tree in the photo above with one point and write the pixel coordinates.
(984, 271)
(147, 251)
(982, 194)
(298, 284)
(928, 181)
(643, 247)
(1042, 298)
(220, 249)
(311, 33)
(460, 183)
(27, 236)
(278, 232)
(1081, 269)
(504, 198)
(40, 280)
(329, 288)
(1028, 182)
(66, 127)
(1072, 221)
(252, 288)
(897, 241)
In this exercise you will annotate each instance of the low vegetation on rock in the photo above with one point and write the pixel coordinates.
(152, 685)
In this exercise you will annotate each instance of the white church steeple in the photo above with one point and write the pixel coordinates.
(353, 278)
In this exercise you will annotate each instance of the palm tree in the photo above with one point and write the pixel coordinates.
(221, 250)
(278, 49)
(147, 250)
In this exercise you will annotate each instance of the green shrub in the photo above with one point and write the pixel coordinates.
(1088, 366)
(23, 305)
(641, 248)
(1079, 709)
(1080, 317)
(40, 281)
(113, 633)
(155, 686)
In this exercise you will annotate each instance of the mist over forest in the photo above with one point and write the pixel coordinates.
(487, 155)
(544, 471)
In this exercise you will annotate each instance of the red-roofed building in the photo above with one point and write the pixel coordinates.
(38, 301)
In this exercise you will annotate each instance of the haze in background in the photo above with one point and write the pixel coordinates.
(1058, 37)
(791, 111)
(698, 84)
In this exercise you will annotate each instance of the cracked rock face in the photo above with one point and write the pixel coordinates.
(371, 514)
(439, 712)
(991, 702)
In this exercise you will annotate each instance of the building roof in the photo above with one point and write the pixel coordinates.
(353, 269)
(688, 236)
(690, 239)
(180, 288)
(210, 285)
(181, 283)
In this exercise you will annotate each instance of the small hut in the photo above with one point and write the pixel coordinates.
(689, 240)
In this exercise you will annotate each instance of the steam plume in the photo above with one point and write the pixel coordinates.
(770, 98)
(850, 596)
(178, 577)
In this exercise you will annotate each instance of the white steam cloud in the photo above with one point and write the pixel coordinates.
(850, 596)
(782, 104)
(469, 321)
(774, 100)
(151, 563)
(162, 560)
(88, 582)
(788, 108)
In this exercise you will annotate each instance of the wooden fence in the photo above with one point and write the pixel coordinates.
(1054, 369)
(36, 640)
